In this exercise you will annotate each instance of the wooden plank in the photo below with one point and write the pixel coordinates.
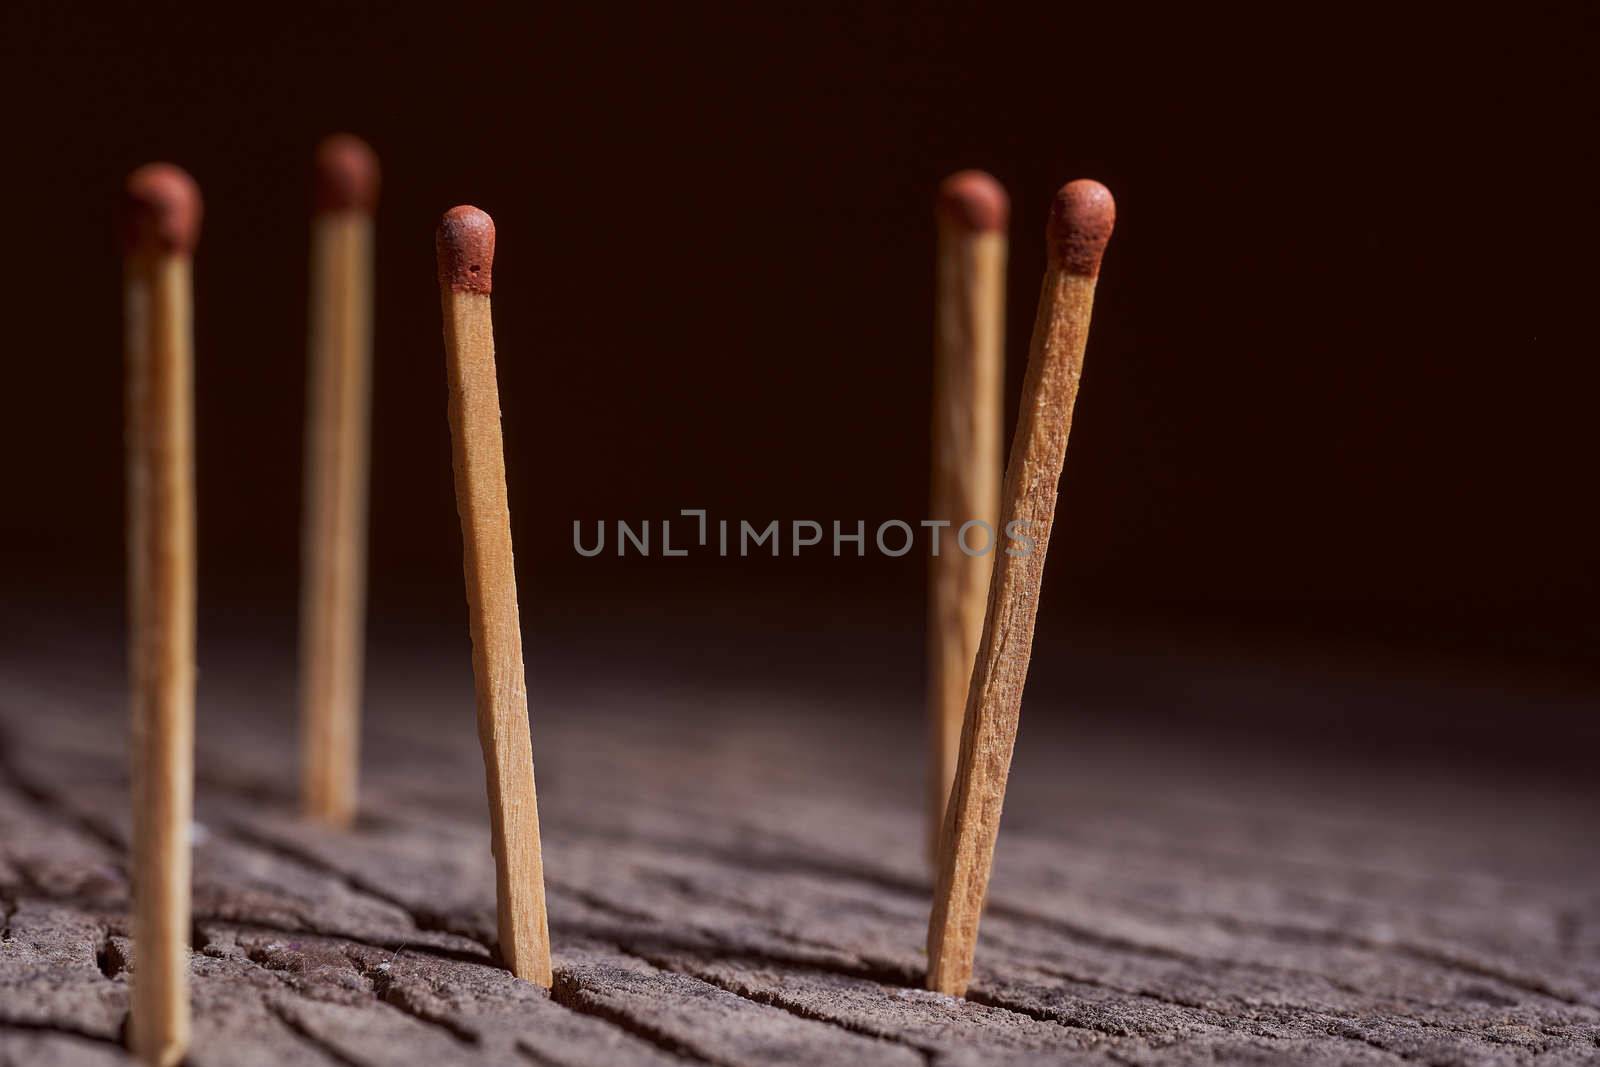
(710, 903)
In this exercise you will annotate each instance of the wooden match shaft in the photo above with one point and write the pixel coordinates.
(334, 548)
(1080, 224)
(466, 259)
(968, 422)
(162, 222)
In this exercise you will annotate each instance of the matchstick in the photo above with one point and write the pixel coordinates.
(968, 420)
(334, 548)
(1080, 224)
(466, 258)
(162, 223)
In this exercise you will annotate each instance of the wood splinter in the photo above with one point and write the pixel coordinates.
(334, 549)
(968, 424)
(466, 259)
(161, 226)
(1080, 224)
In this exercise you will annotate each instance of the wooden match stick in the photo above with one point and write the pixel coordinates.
(1080, 225)
(968, 421)
(333, 587)
(162, 223)
(466, 258)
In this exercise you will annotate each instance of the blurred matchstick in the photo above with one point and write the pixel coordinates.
(333, 586)
(466, 258)
(162, 223)
(968, 420)
(1080, 224)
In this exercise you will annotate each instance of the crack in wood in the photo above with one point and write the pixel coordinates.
(52, 802)
(710, 942)
(1418, 953)
(1342, 1025)
(567, 991)
(391, 945)
(388, 992)
(1485, 969)
(297, 1026)
(375, 984)
(1047, 1015)
(774, 1000)
(874, 969)
(1352, 1033)
(420, 918)
(598, 902)
(109, 958)
(66, 1029)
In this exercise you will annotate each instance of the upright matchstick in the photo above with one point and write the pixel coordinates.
(1080, 224)
(968, 420)
(334, 547)
(162, 223)
(466, 257)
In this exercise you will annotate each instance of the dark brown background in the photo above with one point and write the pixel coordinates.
(1341, 383)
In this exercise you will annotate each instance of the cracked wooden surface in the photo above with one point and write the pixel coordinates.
(740, 880)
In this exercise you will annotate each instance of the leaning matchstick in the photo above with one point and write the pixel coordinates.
(334, 550)
(466, 257)
(161, 226)
(968, 419)
(1080, 224)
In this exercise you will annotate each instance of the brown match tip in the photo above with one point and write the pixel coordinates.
(346, 175)
(465, 244)
(973, 200)
(1080, 225)
(161, 210)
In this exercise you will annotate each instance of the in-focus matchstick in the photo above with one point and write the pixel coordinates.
(162, 223)
(334, 549)
(968, 423)
(466, 258)
(1080, 224)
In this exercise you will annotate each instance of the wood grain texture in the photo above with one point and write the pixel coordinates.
(739, 878)
(968, 426)
(491, 580)
(994, 703)
(334, 549)
(158, 294)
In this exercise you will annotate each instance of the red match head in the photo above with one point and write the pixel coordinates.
(346, 175)
(1080, 225)
(160, 210)
(465, 244)
(974, 201)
